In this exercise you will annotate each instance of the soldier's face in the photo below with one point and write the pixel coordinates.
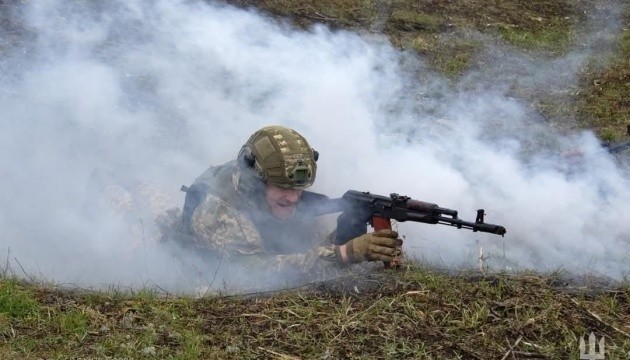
(282, 202)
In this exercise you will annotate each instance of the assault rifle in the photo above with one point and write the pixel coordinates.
(361, 208)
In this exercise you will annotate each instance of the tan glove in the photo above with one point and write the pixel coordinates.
(383, 245)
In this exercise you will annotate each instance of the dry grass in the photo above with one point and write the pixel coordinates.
(439, 31)
(406, 313)
(412, 313)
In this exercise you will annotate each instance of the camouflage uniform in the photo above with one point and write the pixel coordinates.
(130, 201)
(225, 221)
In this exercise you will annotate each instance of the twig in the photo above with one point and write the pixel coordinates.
(530, 355)
(324, 17)
(24, 271)
(166, 293)
(216, 271)
(532, 345)
(6, 266)
(281, 356)
(144, 246)
(511, 350)
(481, 258)
(598, 318)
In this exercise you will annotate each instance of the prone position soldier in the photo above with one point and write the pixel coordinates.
(252, 212)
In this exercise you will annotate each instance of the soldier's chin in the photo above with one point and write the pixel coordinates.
(283, 212)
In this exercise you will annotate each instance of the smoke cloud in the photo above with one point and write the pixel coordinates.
(153, 92)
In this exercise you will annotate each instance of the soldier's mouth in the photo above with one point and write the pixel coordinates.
(283, 211)
(286, 205)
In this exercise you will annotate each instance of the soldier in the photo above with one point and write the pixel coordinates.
(252, 213)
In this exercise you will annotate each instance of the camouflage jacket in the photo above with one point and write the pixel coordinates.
(227, 222)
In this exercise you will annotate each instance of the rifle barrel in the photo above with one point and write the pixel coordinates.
(481, 227)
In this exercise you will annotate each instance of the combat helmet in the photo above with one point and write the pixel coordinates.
(280, 156)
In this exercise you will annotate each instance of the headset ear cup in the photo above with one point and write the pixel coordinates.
(248, 158)
(315, 154)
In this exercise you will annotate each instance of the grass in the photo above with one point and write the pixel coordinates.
(407, 313)
(15, 301)
(555, 37)
(604, 99)
(439, 31)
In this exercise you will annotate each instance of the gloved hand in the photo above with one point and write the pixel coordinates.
(383, 245)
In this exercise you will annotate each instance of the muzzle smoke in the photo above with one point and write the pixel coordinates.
(135, 92)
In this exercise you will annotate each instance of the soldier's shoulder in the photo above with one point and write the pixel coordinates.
(219, 226)
(215, 215)
(214, 207)
(216, 173)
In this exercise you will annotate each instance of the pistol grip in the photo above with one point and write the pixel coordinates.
(380, 223)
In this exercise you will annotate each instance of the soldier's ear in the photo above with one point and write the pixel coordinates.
(315, 154)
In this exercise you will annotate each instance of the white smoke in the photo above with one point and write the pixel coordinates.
(143, 91)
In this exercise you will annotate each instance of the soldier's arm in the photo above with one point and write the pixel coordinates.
(220, 229)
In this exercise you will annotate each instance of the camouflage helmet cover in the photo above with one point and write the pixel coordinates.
(280, 156)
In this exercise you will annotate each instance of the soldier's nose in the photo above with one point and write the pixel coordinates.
(292, 195)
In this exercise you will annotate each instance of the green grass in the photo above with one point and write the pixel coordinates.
(406, 313)
(554, 38)
(15, 300)
(414, 21)
(438, 31)
(603, 103)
